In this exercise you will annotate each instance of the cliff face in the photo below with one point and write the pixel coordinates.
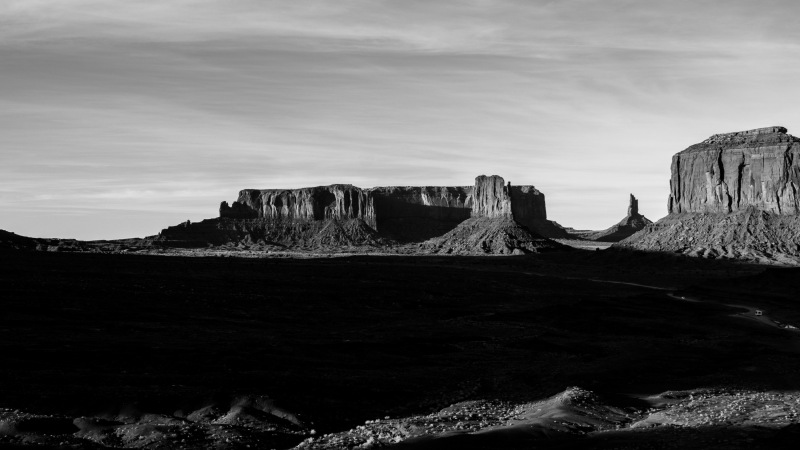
(525, 204)
(734, 195)
(338, 201)
(492, 197)
(528, 208)
(405, 214)
(419, 213)
(733, 171)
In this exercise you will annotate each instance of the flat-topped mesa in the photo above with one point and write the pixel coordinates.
(493, 198)
(402, 213)
(729, 172)
(337, 201)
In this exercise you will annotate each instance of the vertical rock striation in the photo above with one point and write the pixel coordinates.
(733, 171)
(414, 213)
(491, 197)
(337, 201)
(492, 227)
(734, 195)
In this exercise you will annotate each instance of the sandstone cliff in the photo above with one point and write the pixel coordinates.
(492, 198)
(403, 214)
(733, 171)
(525, 204)
(334, 202)
(413, 214)
(734, 195)
(493, 227)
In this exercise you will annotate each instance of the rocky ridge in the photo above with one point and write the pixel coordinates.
(696, 419)
(248, 422)
(577, 418)
(336, 216)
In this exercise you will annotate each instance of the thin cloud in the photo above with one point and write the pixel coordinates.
(104, 100)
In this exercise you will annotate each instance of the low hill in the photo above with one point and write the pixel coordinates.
(490, 235)
(750, 234)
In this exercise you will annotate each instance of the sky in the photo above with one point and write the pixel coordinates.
(121, 117)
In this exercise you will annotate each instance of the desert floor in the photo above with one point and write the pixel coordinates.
(335, 342)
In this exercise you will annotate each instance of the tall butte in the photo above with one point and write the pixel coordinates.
(734, 195)
(493, 227)
(491, 197)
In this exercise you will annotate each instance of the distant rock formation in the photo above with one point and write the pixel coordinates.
(629, 225)
(734, 195)
(489, 217)
(338, 201)
(733, 171)
(399, 213)
(342, 215)
(492, 227)
(633, 207)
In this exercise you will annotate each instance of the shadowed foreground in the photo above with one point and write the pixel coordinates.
(326, 344)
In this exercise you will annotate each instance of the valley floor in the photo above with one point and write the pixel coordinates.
(147, 351)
